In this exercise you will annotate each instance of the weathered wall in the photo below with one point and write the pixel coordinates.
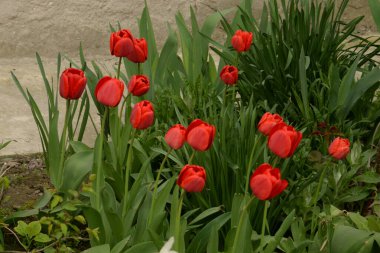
(50, 26)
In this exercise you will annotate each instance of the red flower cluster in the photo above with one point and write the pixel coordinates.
(123, 44)
(283, 139)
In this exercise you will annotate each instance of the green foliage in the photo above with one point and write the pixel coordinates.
(375, 9)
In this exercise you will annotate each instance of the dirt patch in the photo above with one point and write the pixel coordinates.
(27, 177)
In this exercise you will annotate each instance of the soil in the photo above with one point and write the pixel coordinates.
(28, 179)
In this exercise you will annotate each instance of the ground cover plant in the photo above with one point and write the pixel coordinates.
(271, 149)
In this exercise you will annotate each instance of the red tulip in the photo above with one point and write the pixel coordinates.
(200, 135)
(119, 41)
(109, 91)
(137, 50)
(242, 40)
(142, 115)
(192, 178)
(268, 121)
(229, 75)
(176, 136)
(283, 140)
(72, 83)
(339, 148)
(266, 182)
(138, 85)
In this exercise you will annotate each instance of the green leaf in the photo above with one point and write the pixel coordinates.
(21, 228)
(119, 247)
(348, 240)
(369, 177)
(43, 238)
(105, 248)
(205, 214)
(146, 247)
(76, 168)
(33, 228)
(375, 9)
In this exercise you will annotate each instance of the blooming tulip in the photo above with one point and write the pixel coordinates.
(119, 41)
(192, 178)
(138, 85)
(142, 115)
(176, 136)
(229, 75)
(241, 40)
(109, 91)
(266, 182)
(339, 148)
(137, 50)
(268, 121)
(72, 83)
(283, 140)
(200, 135)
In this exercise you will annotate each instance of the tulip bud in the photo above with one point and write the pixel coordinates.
(138, 85)
(142, 115)
(109, 91)
(200, 135)
(137, 50)
(268, 121)
(242, 40)
(339, 148)
(72, 83)
(229, 75)
(266, 182)
(283, 140)
(192, 178)
(176, 136)
(119, 41)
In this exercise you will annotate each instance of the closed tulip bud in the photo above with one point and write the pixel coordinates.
(109, 91)
(192, 178)
(137, 50)
(142, 115)
(268, 121)
(339, 148)
(241, 40)
(200, 135)
(266, 182)
(176, 136)
(72, 83)
(229, 75)
(283, 140)
(119, 41)
(138, 85)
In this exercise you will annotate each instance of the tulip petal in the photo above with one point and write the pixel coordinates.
(199, 138)
(261, 186)
(262, 169)
(279, 143)
(193, 184)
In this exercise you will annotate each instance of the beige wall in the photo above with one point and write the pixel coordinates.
(50, 26)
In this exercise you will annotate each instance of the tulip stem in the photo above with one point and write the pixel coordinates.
(156, 185)
(63, 144)
(139, 68)
(128, 168)
(178, 222)
(122, 106)
(118, 68)
(315, 199)
(191, 157)
(264, 223)
(225, 95)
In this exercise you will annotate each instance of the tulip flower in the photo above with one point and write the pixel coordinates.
(266, 182)
(241, 40)
(109, 91)
(176, 136)
(138, 85)
(142, 115)
(137, 50)
(283, 140)
(72, 83)
(200, 135)
(192, 178)
(268, 121)
(229, 75)
(119, 41)
(339, 148)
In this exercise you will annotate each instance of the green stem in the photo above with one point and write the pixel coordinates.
(264, 222)
(225, 95)
(122, 105)
(315, 199)
(191, 157)
(156, 185)
(100, 166)
(118, 68)
(249, 170)
(128, 168)
(139, 72)
(63, 143)
(178, 222)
